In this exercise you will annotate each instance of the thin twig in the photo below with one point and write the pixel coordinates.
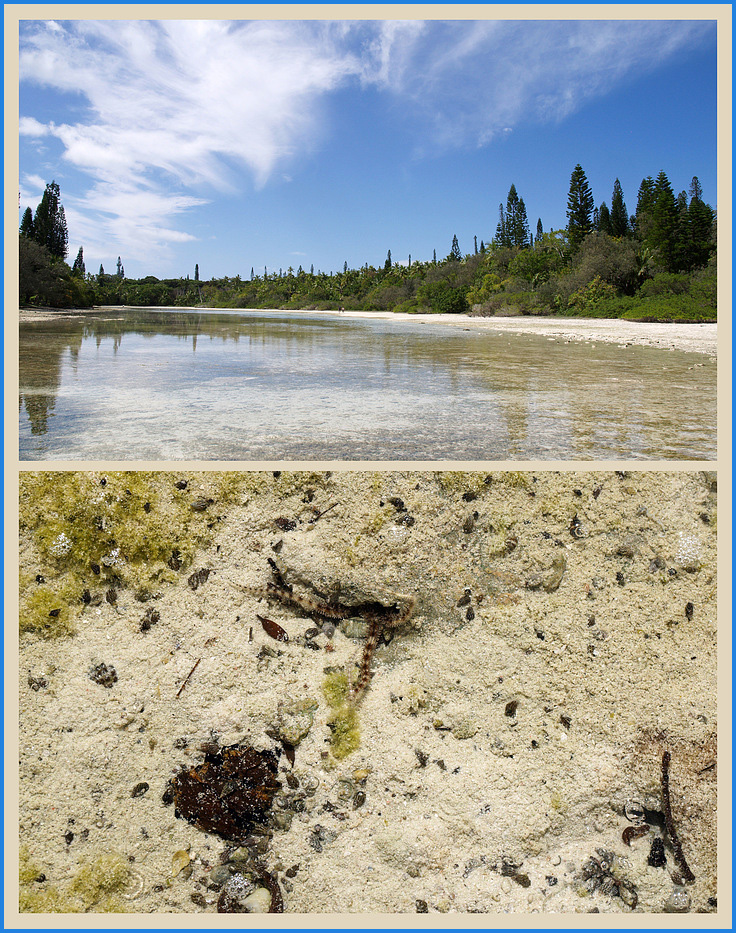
(323, 512)
(186, 679)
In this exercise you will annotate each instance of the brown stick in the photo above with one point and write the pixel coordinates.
(186, 679)
(687, 876)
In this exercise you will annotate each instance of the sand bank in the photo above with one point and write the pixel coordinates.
(695, 338)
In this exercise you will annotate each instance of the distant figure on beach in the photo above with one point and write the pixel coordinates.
(342, 309)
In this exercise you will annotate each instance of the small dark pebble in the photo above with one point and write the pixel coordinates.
(103, 675)
(440, 764)
(292, 780)
(140, 789)
(470, 614)
(422, 907)
(712, 901)
(566, 721)
(578, 492)
(41, 878)
(167, 798)
(291, 872)
(150, 617)
(146, 507)
(181, 743)
(54, 613)
(69, 838)
(276, 474)
(174, 561)
(522, 879)
(285, 524)
(111, 596)
(656, 856)
(397, 503)
(620, 578)
(86, 597)
(199, 899)
(37, 683)
(576, 527)
(551, 880)
(358, 800)
(469, 524)
(422, 758)
(201, 504)
(182, 484)
(510, 708)
(464, 600)
(406, 520)
(540, 635)
(705, 518)
(40, 579)
(689, 610)
(198, 577)
(157, 888)
(95, 568)
(469, 496)
(672, 572)
(597, 491)
(535, 744)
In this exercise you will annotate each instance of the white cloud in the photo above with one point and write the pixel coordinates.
(180, 104)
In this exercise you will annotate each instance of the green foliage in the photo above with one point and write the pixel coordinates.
(443, 297)
(44, 280)
(583, 300)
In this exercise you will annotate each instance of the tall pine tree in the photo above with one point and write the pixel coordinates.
(78, 267)
(50, 222)
(619, 217)
(579, 208)
(455, 254)
(27, 227)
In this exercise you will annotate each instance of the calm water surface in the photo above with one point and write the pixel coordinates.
(174, 385)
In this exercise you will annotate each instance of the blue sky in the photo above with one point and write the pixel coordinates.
(278, 143)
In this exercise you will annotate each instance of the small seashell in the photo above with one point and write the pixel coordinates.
(134, 886)
(634, 812)
(179, 861)
(310, 783)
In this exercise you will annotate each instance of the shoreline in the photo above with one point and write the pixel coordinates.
(689, 337)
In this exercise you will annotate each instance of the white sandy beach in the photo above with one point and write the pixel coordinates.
(564, 638)
(695, 338)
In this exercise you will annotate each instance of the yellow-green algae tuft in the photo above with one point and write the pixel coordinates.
(92, 530)
(343, 722)
(95, 887)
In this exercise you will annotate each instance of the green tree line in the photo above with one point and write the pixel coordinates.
(657, 263)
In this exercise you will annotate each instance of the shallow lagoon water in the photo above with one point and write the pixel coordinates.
(216, 385)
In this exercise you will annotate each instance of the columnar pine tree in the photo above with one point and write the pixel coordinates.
(700, 221)
(50, 222)
(579, 208)
(455, 254)
(619, 216)
(27, 227)
(78, 267)
(604, 219)
(121, 272)
(387, 263)
(540, 229)
(502, 237)
(196, 272)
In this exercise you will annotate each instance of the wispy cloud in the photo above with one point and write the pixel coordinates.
(170, 114)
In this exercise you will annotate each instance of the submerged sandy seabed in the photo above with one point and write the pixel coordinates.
(695, 338)
(563, 638)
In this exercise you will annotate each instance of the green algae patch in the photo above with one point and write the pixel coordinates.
(96, 887)
(343, 722)
(91, 531)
